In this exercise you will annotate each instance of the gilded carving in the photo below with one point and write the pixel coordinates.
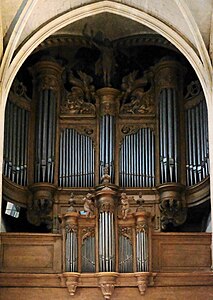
(141, 102)
(74, 103)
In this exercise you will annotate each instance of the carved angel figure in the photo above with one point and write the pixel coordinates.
(124, 205)
(89, 205)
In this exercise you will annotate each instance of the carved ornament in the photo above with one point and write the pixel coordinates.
(48, 82)
(126, 232)
(39, 207)
(75, 103)
(142, 281)
(172, 212)
(172, 208)
(19, 89)
(107, 283)
(108, 99)
(73, 228)
(87, 232)
(71, 281)
(129, 129)
(141, 102)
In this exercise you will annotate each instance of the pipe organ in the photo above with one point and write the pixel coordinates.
(133, 158)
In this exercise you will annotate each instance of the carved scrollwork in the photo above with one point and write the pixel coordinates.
(126, 232)
(172, 212)
(141, 102)
(129, 129)
(193, 89)
(19, 89)
(75, 104)
(78, 100)
(87, 232)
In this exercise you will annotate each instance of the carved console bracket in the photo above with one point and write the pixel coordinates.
(143, 280)
(172, 204)
(71, 281)
(106, 282)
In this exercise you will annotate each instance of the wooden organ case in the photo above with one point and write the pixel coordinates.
(106, 167)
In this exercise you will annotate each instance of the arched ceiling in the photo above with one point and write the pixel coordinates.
(165, 10)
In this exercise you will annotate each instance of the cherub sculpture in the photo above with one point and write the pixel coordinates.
(89, 205)
(125, 205)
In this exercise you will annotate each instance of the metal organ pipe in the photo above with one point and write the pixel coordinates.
(107, 136)
(16, 143)
(197, 143)
(168, 135)
(76, 165)
(137, 163)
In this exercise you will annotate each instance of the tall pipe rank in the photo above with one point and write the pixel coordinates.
(47, 75)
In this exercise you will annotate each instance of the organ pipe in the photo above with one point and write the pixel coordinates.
(76, 154)
(142, 242)
(47, 75)
(168, 135)
(197, 155)
(70, 233)
(106, 224)
(137, 163)
(16, 143)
